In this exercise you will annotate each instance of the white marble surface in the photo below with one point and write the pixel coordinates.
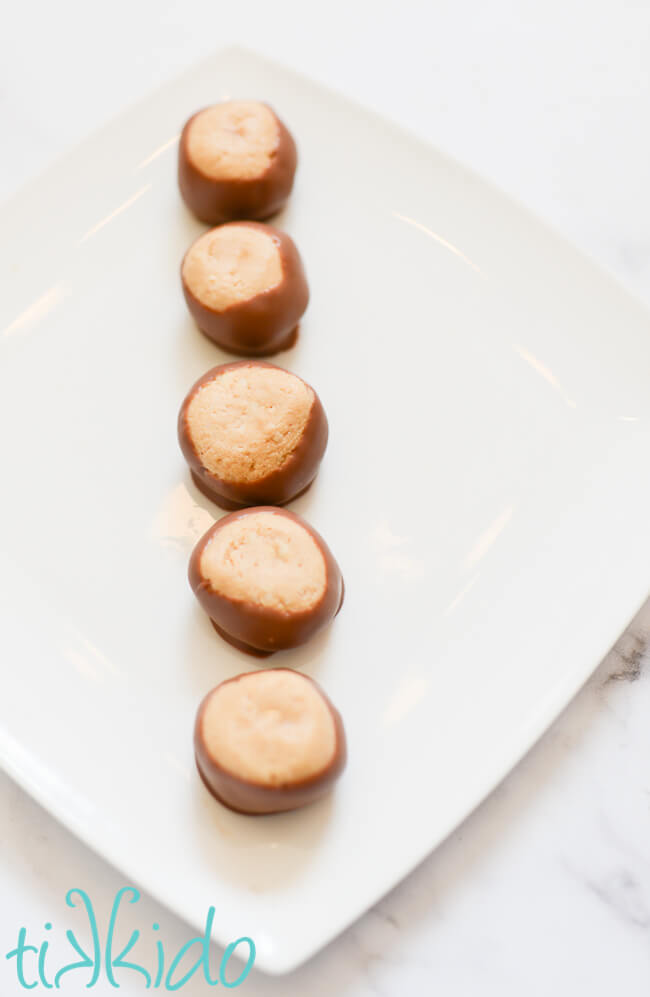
(546, 888)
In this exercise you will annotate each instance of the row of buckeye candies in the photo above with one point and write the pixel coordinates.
(253, 436)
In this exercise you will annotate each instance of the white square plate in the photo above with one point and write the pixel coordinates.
(486, 491)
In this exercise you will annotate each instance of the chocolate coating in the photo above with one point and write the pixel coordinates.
(278, 487)
(260, 630)
(252, 798)
(217, 201)
(265, 323)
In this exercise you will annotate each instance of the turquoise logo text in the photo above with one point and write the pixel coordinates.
(103, 961)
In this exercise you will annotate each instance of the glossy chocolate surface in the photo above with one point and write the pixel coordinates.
(254, 628)
(247, 797)
(277, 488)
(265, 323)
(217, 201)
